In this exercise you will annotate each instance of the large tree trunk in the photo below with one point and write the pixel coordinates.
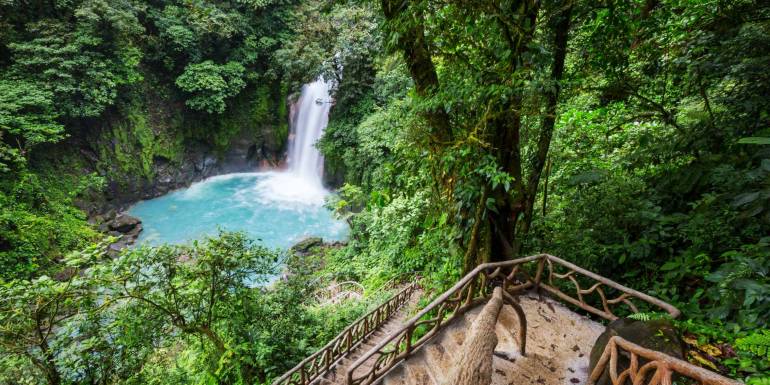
(478, 231)
(509, 205)
(537, 162)
(411, 40)
(495, 234)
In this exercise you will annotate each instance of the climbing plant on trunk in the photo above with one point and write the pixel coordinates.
(489, 106)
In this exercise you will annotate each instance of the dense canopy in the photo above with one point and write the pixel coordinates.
(631, 137)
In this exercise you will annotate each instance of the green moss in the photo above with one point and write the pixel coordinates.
(137, 138)
(282, 125)
(231, 123)
(38, 222)
(253, 111)
(148, 127)
(261, 110)
(147, 143)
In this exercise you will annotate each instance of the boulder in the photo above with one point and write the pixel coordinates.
(303, 247)
(660, 335)
(124, 223)
(114, 249)
(134, 233)
(102, 221)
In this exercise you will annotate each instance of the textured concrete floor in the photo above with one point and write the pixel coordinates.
(559, 342)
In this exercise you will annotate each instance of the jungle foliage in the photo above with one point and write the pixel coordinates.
(631, 137)
(151, 316)
(95, 93)
(127, 85)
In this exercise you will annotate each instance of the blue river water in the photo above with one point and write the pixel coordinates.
(276, 208)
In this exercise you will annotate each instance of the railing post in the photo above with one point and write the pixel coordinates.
(302, 374)
(408, 339)
(468, 295)
(539, 272)
(349, 341)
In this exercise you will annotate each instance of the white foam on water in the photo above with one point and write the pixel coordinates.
(204, 187)
(289, 190)
(301, 186)
(278, 208)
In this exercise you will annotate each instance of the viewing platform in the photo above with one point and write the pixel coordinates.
(559, 343)
(533, 320)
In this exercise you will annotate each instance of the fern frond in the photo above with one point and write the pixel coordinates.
(741, 270)
(651, 316)
(757, 343)
(758, 381)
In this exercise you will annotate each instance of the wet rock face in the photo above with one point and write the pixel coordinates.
(249, 150)
(302, 248)
(660, 335)
(120, 225)
(124, 223)
(168, 177)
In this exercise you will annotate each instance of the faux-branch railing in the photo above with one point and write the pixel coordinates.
(657, 367)
(515, 277)
(321, 361)
(333, 293)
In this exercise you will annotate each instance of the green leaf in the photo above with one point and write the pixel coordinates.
(670, 265)
(754, 140)
(745, 198)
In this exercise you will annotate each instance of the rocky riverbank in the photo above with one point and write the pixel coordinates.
(107, 210)
(245, 154)
(124, 227)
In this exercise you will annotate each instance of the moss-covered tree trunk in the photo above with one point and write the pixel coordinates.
(511, 219)
(495, 232)
(407, 25)
(506, 138)
(560, 26)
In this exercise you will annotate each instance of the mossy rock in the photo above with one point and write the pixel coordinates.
(659, 335)
(304, 246)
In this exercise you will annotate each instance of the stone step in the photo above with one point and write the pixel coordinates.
(337, 375)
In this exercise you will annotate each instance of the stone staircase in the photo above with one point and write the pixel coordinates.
(558, 345)
(336, 375)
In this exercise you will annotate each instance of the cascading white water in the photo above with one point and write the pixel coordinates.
(311, 119)
(302, 183)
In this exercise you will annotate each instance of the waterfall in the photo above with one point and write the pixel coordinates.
(308, 125)
(301, 185)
